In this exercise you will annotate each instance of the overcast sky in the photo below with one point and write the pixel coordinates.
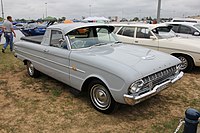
(77, 8)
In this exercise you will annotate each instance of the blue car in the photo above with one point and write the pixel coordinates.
(34, 32)
(33, 29)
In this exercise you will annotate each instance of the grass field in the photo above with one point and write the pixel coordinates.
(46, 105)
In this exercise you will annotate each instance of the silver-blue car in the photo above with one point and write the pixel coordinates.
(88, 57)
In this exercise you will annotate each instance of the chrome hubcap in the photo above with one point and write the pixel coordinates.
(100, 97)
(30, 68)
(184, 63)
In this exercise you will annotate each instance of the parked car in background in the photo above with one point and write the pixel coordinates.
(33, 29)
(160, 37)
(89, 58)
(190, 20)
(185, 29)
(19, 25)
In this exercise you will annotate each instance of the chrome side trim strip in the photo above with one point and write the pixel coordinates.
(59, 64)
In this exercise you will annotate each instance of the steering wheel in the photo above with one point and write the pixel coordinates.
(78, 44)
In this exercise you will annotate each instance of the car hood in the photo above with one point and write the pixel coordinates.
(123, 57)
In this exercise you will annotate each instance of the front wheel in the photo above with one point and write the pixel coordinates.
(101, 98)
(187, 63)
(31, 70)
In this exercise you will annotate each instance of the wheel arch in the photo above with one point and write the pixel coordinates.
(25, 62)
(184, 54)
(85, 85)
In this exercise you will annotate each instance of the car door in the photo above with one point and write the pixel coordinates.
(126, 34)
(80, 39)
(144, 37)
(57, 57)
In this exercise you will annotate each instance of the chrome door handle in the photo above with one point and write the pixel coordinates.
(136, 41)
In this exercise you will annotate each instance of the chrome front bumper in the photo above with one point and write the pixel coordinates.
(131, 100)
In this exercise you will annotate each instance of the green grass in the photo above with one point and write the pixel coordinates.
(195, 103)
(166, 127)
(9, 63)
(56, 92)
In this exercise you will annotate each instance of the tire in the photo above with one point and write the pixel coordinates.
(31, 70)
(187, 63)
(100, 97)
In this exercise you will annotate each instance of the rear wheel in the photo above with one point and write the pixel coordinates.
(101, 98)
(187, 63)
(31, 70)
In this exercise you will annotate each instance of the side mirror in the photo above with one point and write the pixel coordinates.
(196, 34)
(153, 37)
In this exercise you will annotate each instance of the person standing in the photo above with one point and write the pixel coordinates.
(8, 33)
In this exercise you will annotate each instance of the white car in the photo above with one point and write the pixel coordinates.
(185, 29)
(152, 36)
(190, 20)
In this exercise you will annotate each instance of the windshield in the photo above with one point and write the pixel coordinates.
(90, 36)
(164, 32)
(197, 26)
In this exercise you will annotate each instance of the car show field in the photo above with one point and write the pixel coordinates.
(99, 66)
(47, 105)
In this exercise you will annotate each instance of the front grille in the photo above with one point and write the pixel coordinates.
(157, 78)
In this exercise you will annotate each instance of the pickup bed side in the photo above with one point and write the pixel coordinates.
(33, 39)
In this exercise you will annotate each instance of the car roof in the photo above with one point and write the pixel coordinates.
(72, 26)
(150, 26)
(182, 23)
(185, 19)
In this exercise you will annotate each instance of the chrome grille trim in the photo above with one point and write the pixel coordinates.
(157, 78)
(159, 75)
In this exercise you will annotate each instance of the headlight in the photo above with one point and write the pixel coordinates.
(178, 68)
(136, 86)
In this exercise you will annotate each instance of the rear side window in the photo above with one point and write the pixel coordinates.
(185, 29)
(143, 33)
(127, 31)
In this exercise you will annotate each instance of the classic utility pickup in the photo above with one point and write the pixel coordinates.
(89, 58)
